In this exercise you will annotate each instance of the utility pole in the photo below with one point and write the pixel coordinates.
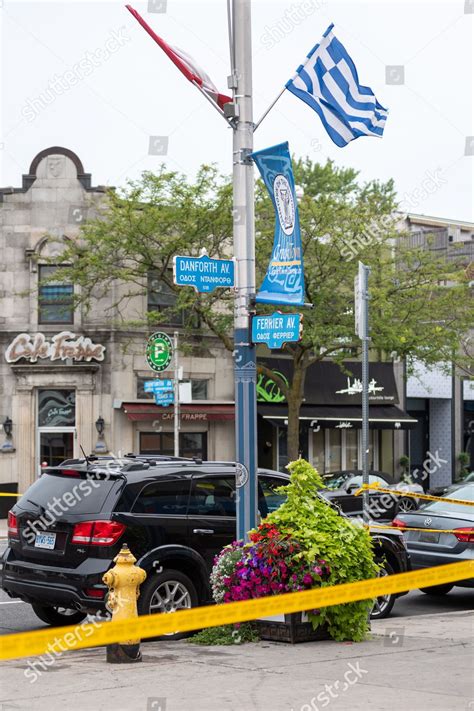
(364, 272)
(245, 371)
(176, 395)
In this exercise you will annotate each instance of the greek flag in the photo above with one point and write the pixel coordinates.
(328, 82)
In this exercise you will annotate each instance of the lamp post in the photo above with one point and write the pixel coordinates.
(245, 371)
(7, 445)
(100, 446)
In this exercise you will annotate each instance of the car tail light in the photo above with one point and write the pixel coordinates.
(12, 524)
(97, 533)
(398, 523)
(71, 472)
(95, 592)
(465, 535)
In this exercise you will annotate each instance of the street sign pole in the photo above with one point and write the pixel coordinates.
(362, 326)
(176, 395)
(245, 371)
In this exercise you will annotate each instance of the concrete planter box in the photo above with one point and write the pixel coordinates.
(292, 628)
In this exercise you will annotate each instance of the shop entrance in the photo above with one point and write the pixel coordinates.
(55, 447)
(56, 430)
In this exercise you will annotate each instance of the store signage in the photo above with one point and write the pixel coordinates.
(157, 386)
(355, 387)
(62, 346)
(268, 390)
(203, 273)
(159, 351)
(277, 329)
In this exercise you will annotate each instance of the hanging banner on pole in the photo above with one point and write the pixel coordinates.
(284, 280)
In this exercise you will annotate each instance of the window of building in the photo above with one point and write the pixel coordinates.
(162, 298)
(55, 297)
(199, 388)
(56, 408)
(212, 496)
(191, 444)
(164, 497)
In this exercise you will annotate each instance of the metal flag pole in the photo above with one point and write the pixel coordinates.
(245, 371)
(364, 272)
(176, 395)
(269, 109)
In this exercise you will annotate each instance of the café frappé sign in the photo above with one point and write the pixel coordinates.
(62, 346)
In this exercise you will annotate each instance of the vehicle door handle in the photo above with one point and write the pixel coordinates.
(203, 530)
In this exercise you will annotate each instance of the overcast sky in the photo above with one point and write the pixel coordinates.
(132, 91)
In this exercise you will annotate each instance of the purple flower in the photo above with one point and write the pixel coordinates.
(307, 579)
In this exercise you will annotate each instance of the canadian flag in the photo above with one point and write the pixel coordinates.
(186, 64)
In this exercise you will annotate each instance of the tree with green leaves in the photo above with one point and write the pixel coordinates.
(420, 305)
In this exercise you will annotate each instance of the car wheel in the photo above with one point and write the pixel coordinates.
(437, 589)
(384, 603)
(58, 616)
(406, 505)
(168, 591)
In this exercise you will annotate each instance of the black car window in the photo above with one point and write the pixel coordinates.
(212, 496)
(164, 497)
(273, 499)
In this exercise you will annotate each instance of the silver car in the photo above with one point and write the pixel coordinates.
(428, 548)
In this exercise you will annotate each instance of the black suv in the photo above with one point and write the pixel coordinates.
(175, 515)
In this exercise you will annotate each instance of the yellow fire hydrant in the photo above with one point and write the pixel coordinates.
(123, 581)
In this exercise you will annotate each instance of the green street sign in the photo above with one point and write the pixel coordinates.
(159, 351)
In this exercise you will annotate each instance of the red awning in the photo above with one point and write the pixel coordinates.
(206, 412)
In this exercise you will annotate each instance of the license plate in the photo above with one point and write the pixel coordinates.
(45, 540)
(428, 537)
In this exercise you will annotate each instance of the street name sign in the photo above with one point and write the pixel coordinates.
(203, 273)
(277, 329)
(155, 386)
(164, 399)
(159, 351)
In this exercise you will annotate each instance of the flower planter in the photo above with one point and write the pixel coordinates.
(292, 628)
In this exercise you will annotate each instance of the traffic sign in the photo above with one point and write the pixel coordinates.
(159, 351)
(164, 399)
(155, 386)
(277, 329)
(203, 273)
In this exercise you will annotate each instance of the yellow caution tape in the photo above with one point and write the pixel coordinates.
(427, 497)
(2, 494)
(27, 644)
(403, 529)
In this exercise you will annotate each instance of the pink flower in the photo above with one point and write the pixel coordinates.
(307, 579)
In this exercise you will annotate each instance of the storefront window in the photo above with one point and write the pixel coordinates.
(351, 449)
(56, 408)
(386, 451)
(318, 451)
(191, 444)
(334, 452)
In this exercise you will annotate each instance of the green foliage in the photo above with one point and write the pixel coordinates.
(413, 313)
(323, 533)
(227, 634)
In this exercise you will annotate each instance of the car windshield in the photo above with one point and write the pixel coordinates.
(466, 493)
(336, 481)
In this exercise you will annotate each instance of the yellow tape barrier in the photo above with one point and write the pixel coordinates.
(427, 497)
(2, 494)
(27, 644)
(404, 529)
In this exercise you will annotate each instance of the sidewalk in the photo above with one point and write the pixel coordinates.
(422, 662)
(3, 529)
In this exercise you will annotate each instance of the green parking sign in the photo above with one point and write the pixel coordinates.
(159, 351)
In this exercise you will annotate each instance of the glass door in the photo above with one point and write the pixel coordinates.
(56, 431)
(55, 447)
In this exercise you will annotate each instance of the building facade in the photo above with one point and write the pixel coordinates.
(441, 398)
(69, 379)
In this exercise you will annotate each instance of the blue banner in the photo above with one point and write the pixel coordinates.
(284, 280)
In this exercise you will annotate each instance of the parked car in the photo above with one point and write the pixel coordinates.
(342, 485)
(175, 516)
(448, 488)
(428, 548)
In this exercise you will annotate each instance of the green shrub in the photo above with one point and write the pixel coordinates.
(305, 517)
